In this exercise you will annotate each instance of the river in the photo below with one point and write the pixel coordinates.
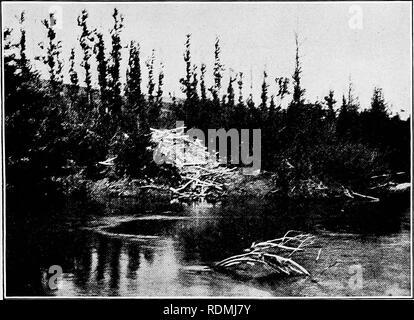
(121, 247)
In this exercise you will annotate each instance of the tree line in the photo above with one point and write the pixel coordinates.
(57, 131)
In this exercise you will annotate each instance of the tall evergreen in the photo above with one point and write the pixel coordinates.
(133, 80)
(282, 88)
(186, 81)
(330, 102)
(298, 91)
(378, 106)
(217, 71)
(151, 77)
(23, 62)
(86, 42)
(52, 57)
(114, 69)
(375, 120)
(156, 105)
(160, 84)
(228, 105)
(263, 97)
(189, 87)
(230, 92)
(202, 83)
(102, 66)
(73, 77)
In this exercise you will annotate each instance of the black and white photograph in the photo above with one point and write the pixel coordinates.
(189, 150)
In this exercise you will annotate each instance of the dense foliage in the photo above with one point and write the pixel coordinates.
(55, 131)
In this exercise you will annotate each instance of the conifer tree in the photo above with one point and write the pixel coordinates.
(114, 69)
(240, 86)
(86, 42)
(229, 106)
(347, 120)
(151, 77)
(102, 66)
(375, 120)
(378, 106)
(202, 83)
(156, 103)
(52, 57)
(230, 92)
(194, 83)
(186, 81)
(251, 108)
(160, 84)
(133, 80)
(298, 92)
(217, 71)
(353, 101)
(239, 114)
(23, 62)
(73, 77)
(263, 96)
(283, 87)
(330, 102)
(189, 86)
(272, 108)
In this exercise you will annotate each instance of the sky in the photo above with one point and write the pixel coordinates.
(369, 43)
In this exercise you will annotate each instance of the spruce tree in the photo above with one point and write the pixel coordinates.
(282, 87)
(189, 86)
(134, 78)
(23, 62)
(52, 56)
(160, 84)
(102, 66)
(156, 105)
(73, 78)
(298, 91)
(202, 83)
(151, 77)
(229, 106)
(217, 71)
(330, 102)
(114, 69)
(353, 101)
(230, 92)
(263, 96)
(378, 106)
(86, 42)
(186, 81)
(218, 68)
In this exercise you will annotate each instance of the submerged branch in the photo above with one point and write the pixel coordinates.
(260, 255)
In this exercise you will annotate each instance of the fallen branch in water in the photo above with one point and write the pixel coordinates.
(351, 194)
(372, 199)
(261, 259)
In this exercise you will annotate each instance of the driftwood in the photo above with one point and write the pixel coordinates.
(108, 162)
(202, 175)
(400, 188)
(369, 198)
(351, 194)
(386, 175)
(272, 257)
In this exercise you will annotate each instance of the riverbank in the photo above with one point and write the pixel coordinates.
(239, 187)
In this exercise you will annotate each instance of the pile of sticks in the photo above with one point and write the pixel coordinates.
(202, 175)
(273, 257)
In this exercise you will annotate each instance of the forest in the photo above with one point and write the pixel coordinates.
(57, 134)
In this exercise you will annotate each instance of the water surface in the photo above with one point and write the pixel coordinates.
(122, 248)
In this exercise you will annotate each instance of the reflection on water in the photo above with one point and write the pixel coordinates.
(119, 248)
